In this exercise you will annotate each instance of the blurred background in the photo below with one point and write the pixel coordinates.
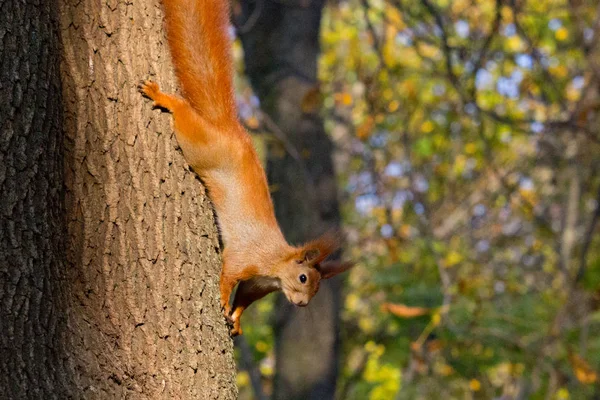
(465, 140)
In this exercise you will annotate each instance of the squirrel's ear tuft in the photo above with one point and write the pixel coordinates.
(308, 255)
(329, 269)
(318, 250)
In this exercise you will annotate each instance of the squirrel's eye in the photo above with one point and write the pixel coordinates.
(302, 278)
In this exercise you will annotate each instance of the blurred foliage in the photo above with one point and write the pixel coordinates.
(468, 142)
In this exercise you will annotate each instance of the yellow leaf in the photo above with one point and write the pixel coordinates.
(352, 301)
(242, 379)
(394, 16)
(436, 319)
(405, 231)
(343, 98)
(446, 370)
(560, 71)
(388, 94)
(364, 130)
(561, 33)
(262, 346)
(404, 311)
(427, 126)
(474, 385)
(470, 148)
(252, 122)
(429, 51)
(452, 259)
(266, 369)
(562, 394)
(514, 43)
(583, 372)
(507, 14)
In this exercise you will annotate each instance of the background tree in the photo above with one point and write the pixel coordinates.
(33, 304)
(110, 270)
(281, 47)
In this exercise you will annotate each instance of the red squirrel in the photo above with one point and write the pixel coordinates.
(218, 148)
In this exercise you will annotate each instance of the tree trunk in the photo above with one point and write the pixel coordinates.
(32, 296)
(108, 276)
(281, 50)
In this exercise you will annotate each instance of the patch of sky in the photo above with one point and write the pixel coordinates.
(403, 38)
(483, 79)
(420, 184)
(510, 30)
(470, 108)
(526, 183)
(401, 197)
(469, 66)
(365, 203)
(365, 182)
(462, 28)
(439, 89)
(419, 209)
(509, 86)
(536, 127)
(554, 24)
(422, 29)
(524, 61)
(352, 185)
(479, 210)
(245, 110)
(588, 34)
(379, 139)
(387, 231)
(231, 32)
(482, 246)
(578, 82)
(394, 169)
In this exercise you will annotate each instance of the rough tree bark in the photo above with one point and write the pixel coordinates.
(32, 300)
(108, 271)
(281, 48)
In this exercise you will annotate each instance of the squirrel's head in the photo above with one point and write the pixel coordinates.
(306, 267)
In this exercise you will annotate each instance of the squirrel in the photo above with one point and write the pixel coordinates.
(215, 144)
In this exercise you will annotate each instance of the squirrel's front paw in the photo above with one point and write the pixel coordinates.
(149, 89)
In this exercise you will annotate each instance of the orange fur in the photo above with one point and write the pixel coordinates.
(219, 149)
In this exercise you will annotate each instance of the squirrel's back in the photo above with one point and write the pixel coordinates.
(198, 34)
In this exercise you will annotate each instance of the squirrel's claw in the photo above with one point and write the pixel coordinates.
(236, 329)
(149, 89)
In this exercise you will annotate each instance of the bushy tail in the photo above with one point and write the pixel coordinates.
(198, 36)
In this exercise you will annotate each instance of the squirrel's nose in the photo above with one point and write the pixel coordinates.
(301, 303)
